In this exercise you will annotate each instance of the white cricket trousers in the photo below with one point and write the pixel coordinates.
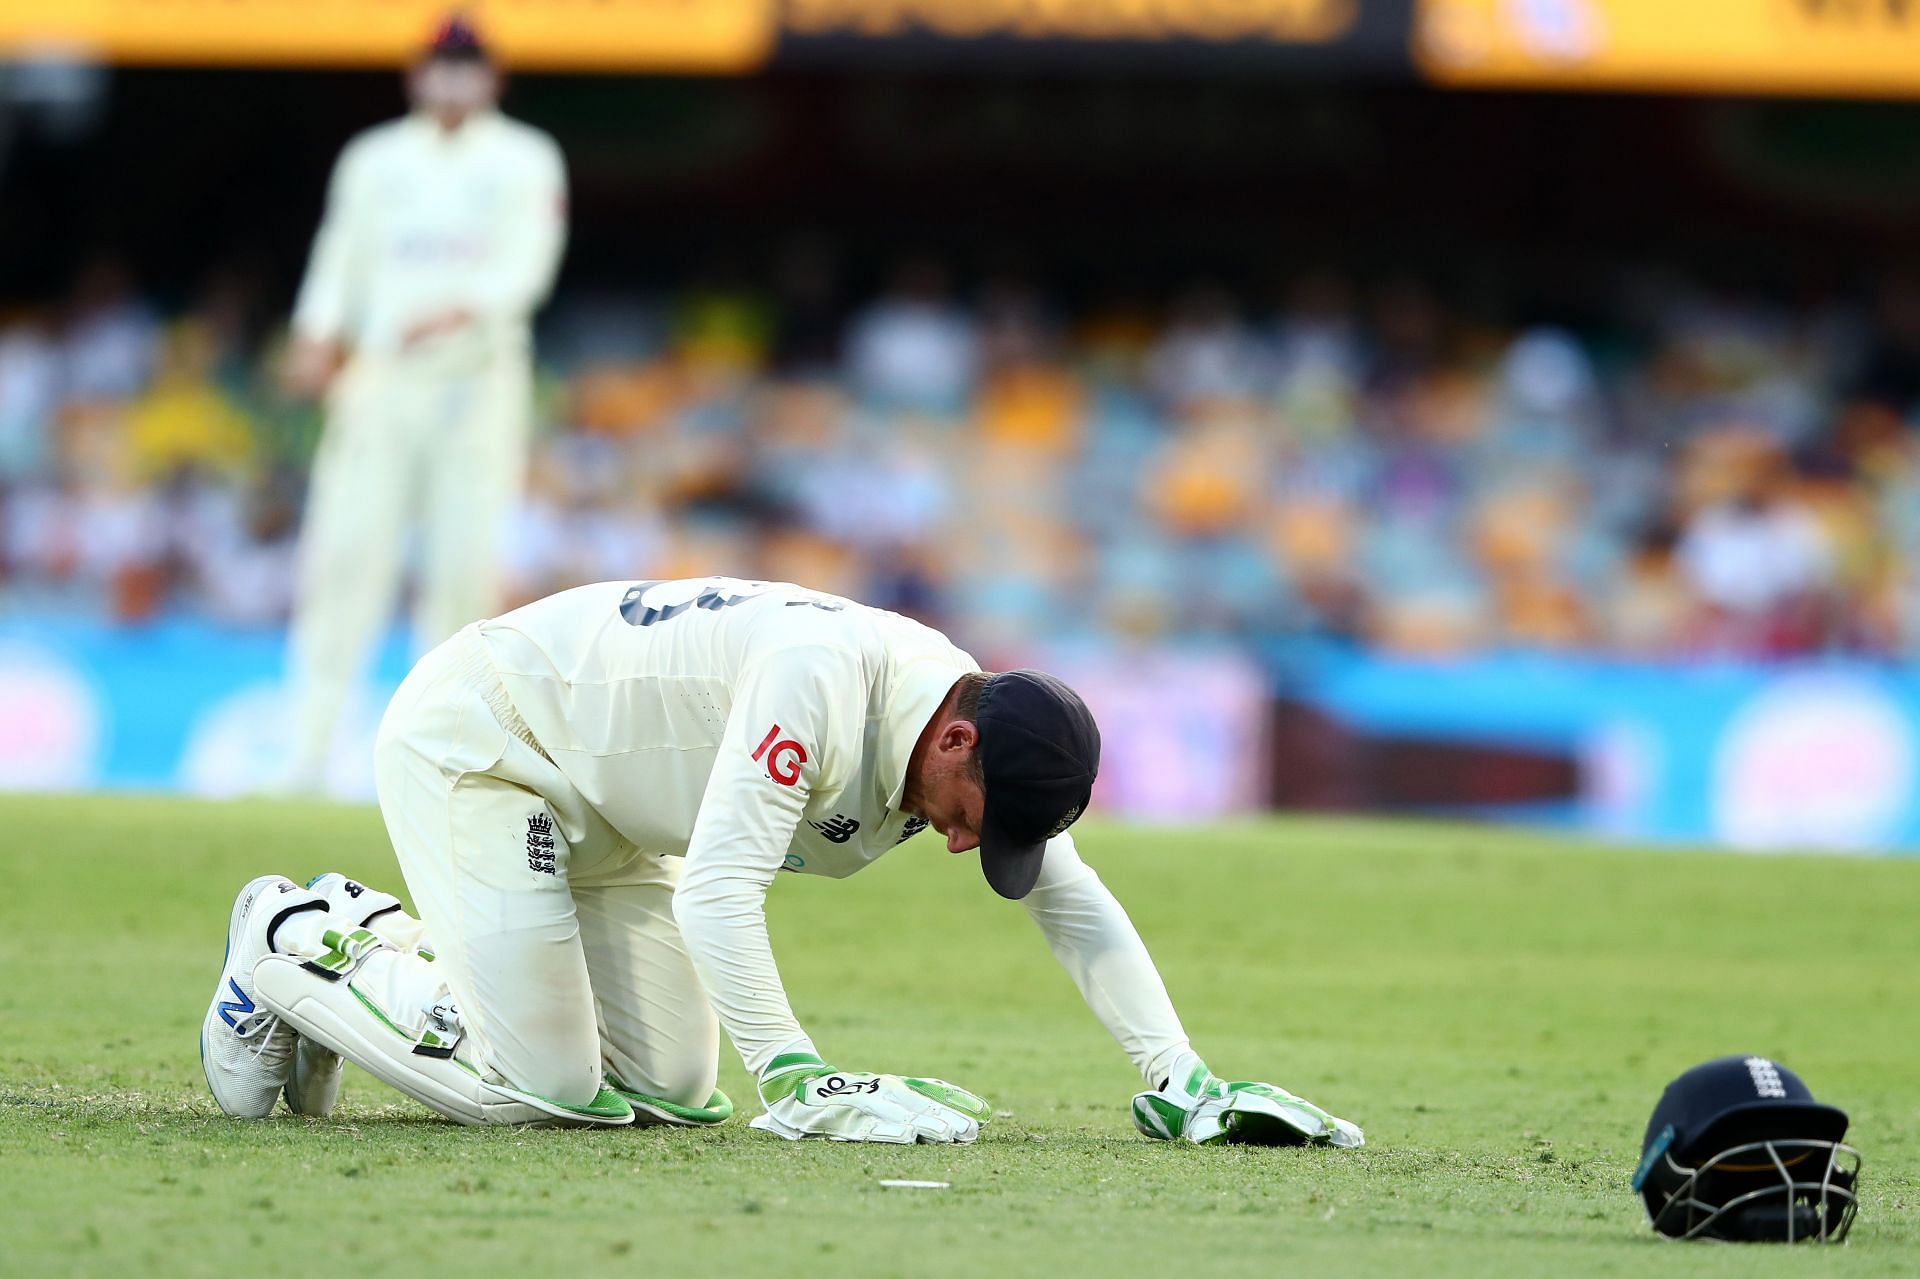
(409, 446)
(560, 974)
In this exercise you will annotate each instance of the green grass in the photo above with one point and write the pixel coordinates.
(1500, 1011)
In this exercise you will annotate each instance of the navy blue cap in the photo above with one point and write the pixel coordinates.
(457, 39)
(1040, 751)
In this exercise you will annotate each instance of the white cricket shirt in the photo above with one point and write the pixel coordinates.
(420, 220)
(758, 726)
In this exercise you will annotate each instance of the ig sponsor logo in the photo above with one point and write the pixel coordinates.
(783, 756)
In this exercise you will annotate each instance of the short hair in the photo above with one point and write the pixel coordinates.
(966, 705)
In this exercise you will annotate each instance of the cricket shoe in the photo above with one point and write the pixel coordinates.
(314, 1084)
(246, 1051)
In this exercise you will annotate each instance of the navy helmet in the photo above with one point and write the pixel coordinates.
(1738, 1149)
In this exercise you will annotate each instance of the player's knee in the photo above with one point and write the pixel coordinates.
(397, 753)
(688, 1083)
(685, 1079)
(569, 1083)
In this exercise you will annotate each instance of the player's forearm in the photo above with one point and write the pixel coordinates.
(1092, 936)
(723, 923)
(748, 814)
(523, 280)
(320, 308)
(529, 257)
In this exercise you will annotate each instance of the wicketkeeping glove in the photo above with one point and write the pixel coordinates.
(1194, 1105)
(805, 1097)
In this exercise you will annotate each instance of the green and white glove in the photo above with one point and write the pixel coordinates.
(805, 1097)
(1195, 1105)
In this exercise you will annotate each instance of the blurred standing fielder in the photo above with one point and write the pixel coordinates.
(441, 236)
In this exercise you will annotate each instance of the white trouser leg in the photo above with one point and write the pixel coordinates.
(658, 1034)
(486, 857)
(475, 474)
(352, 544)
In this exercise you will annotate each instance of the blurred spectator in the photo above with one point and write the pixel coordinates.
(29, 391)
(1319, 359)
(1547, 399)
(184, 419)
(1206, 354)
(913, 348)
(1649, 611)
(110, 337)
(1029, 398)
(722, 328)
(238, 548)
(1757, 558)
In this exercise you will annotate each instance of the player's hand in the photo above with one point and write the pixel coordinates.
(805, 1097)
(437, 325)
(310, 367)
(1197, 1106)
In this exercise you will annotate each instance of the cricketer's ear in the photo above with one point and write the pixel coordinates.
(958, 739)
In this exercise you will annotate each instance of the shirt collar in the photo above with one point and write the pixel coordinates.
(427, 127)
(913, 697)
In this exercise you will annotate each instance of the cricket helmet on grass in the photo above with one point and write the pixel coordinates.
(1739, 1150)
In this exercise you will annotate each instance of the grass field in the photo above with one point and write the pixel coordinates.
(1500, 1012)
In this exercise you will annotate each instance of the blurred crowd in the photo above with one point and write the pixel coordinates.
(1694, 473)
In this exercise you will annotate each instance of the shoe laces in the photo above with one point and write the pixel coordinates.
(273, 1041)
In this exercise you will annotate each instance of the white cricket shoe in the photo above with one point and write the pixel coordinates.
(314, 1084)
(245, 1050)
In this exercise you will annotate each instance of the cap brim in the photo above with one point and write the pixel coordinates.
(1011, 865)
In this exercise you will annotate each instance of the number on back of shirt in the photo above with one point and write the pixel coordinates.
(650, 603)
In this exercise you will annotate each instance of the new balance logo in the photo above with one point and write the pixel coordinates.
(540, 844)
(913, 827)
(1065, 822)
(837, 829)
(241, 1005)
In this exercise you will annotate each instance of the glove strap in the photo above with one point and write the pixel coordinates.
(1192, 1081)
(786, 1073)
(344, 952)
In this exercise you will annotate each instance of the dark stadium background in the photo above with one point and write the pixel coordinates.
(1526, 205)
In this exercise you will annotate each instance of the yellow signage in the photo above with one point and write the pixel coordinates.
(665, 35)
(1290, 21)
(1864, 48)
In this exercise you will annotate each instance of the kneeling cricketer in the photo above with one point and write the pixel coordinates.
(588, 798)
